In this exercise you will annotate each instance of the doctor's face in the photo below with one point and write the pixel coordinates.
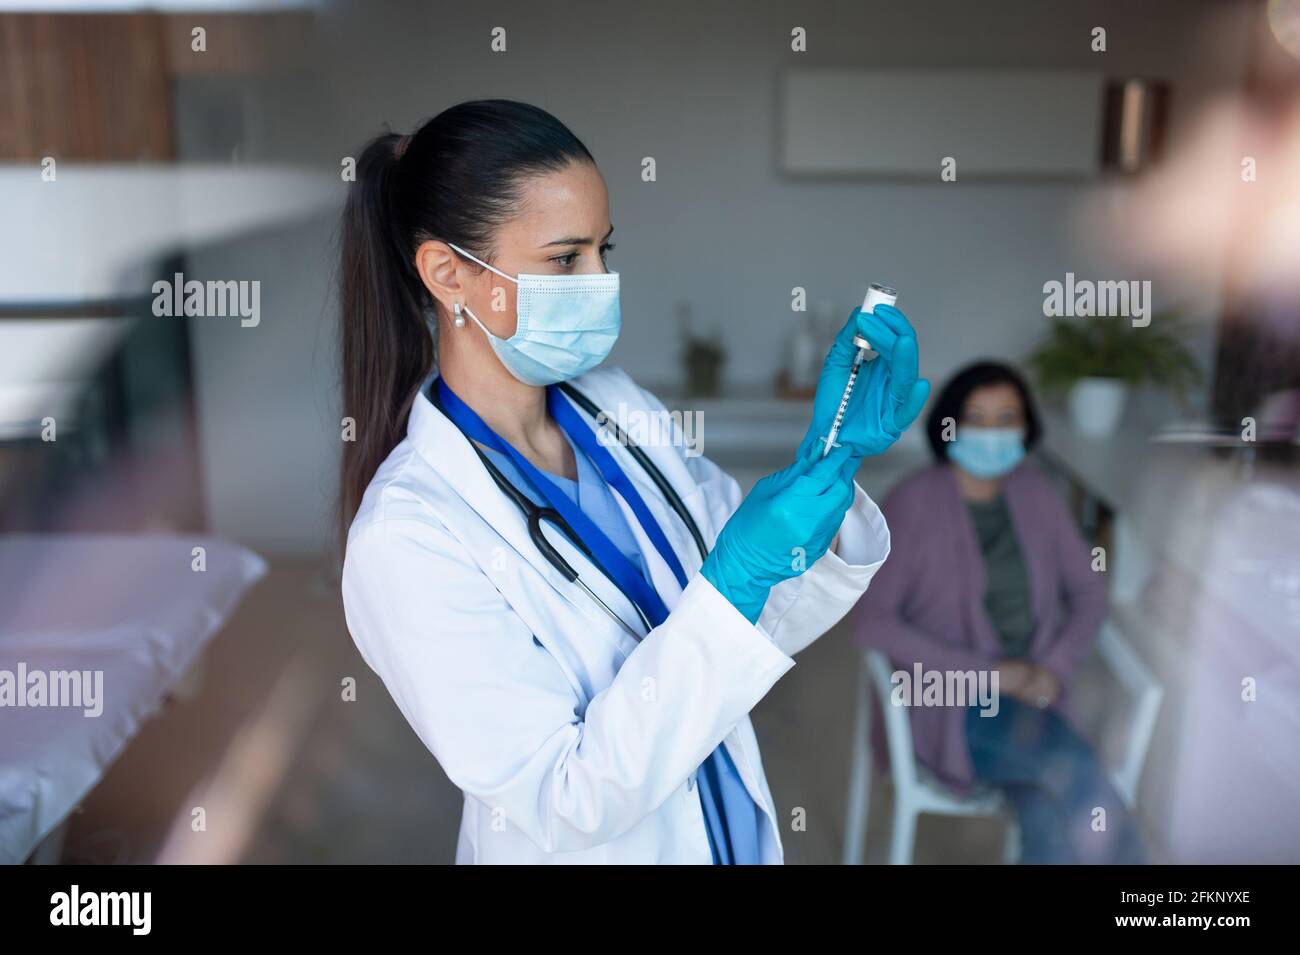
(562, 228)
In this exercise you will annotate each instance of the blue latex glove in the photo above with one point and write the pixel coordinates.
(781, 528)
(887, 396)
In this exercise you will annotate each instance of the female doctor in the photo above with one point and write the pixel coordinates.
(575, 626)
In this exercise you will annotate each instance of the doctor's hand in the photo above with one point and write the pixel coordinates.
(887, 396)
(784, 525)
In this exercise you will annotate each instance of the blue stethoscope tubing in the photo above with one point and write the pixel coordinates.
(536, 516)
(641, 458)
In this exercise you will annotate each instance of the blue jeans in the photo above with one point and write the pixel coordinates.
(1055, 785)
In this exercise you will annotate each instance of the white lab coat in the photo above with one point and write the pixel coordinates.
(572, 742)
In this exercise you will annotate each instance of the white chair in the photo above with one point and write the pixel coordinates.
(1147, 694)
(917, 791)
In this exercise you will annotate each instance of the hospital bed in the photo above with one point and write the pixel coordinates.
(131, 608)
(105, 564)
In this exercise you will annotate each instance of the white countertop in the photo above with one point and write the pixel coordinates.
(1109, 467)
(756, 430)
(752, 432)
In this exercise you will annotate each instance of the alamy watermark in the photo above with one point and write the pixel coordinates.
(176, 297)
(922, 687)
(81, 689)
(1084, 298)
(129, 909)
(648, 427)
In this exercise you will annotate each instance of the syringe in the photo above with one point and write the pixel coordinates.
(876, 295)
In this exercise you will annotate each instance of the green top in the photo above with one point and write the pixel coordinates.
(1006, 596)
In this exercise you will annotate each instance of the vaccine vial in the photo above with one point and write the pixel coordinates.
(876, 295)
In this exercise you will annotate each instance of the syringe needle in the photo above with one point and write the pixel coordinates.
(829, 441)
(876, 295)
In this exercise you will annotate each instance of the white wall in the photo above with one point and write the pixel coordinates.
(268, 418)
(96, 230)
(693, 85)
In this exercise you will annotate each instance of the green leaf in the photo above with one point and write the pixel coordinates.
(1112, 348)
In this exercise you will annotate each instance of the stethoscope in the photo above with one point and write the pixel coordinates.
(536, 515)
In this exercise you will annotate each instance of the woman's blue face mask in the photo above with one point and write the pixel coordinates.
(565, 325)
(987, 452)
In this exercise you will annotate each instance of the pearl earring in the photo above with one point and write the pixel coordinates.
(458, 320)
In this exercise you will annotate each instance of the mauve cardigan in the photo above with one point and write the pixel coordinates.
(926, 604)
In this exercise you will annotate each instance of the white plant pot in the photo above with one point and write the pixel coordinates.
(1096, 405)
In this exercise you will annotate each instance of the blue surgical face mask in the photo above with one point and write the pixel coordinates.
(987, 452)
(565, 324)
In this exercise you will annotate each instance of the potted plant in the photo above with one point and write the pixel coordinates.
(1097, 360)
(702, 355)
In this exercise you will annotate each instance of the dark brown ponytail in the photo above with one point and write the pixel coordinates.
(456, 179)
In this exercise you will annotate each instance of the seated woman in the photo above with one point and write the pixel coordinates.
(988, 571)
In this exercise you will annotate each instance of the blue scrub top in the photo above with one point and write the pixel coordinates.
(732, 819)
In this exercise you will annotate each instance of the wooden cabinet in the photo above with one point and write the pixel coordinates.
(85, 88)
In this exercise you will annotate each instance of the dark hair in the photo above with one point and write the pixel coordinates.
(456, 178)
(952, 399)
